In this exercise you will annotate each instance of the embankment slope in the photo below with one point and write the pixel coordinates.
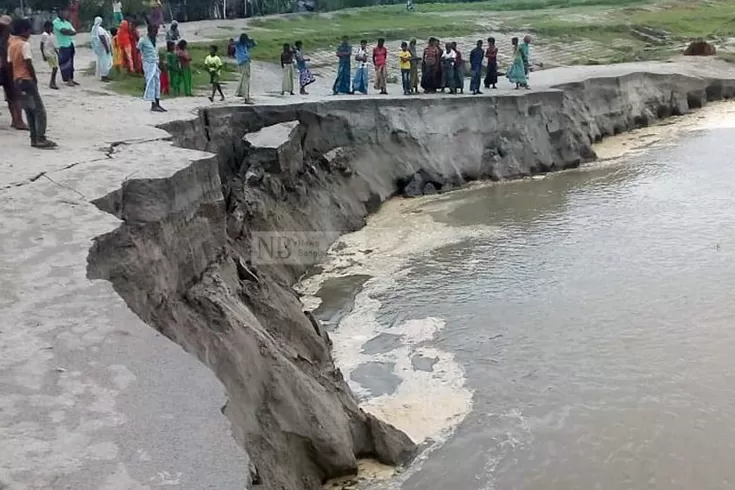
(182, 259)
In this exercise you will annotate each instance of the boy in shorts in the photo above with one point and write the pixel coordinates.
(50, 52)
(214, 67)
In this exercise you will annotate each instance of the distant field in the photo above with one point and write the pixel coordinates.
(625, 29)
(583, 31)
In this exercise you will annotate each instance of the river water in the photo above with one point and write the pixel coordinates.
(574, 332)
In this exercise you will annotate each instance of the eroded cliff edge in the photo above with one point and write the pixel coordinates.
(181, 257)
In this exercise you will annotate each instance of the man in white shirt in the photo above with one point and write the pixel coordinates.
(448, 58)
(50, 51)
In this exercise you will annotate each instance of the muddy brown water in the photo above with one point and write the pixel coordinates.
(596, 330)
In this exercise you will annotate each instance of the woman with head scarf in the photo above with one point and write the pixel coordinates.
(173, 34)
(517, 71)
(342, 83)
(125, 43)
(415, 60)
(102, 48)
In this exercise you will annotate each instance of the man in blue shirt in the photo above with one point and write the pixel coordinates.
(476, 56)
(242, 55)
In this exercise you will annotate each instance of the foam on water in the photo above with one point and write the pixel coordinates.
(426, 405)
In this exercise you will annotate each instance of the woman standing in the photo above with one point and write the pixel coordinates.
(288, 71)
(102, 48)
(151, 70)
(342, 82)
(431, 67)
(124, 42)
(156, 15)
(74, 14)
(415, 60)
(360, 82)
(517, 71)
(134, 39)
(185, 63)
(305, 76)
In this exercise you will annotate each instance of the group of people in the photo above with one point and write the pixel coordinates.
(437, 69)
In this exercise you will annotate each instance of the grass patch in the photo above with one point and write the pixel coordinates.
(133, 84)
(694, 20)
(519, 5)
(320, 32)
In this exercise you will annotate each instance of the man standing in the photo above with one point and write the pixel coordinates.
(6, 76)
(380, 59)
(476, 56)
(242, 55)
(64, 33)
(491, 79)
(151, 70)
(24, 77)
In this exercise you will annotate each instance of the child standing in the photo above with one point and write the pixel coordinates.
(185, 64)
(214, 67)
(50, 51)
(165, 88)
(405, 57)
(117, 54)
(288, 71)
(174, 69)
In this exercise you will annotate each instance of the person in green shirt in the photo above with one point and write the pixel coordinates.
(64, 33)
(214, 67)
(174, 69)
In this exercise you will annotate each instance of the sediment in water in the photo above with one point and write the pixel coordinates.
(181, 257)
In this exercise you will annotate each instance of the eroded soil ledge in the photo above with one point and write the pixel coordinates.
(181, 257)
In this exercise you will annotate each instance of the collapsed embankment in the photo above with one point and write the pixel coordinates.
(181, 257)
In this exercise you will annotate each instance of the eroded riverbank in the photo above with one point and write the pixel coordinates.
(320, 168)
(63, 343)
(502, 289)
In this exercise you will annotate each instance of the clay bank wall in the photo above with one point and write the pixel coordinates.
(182, 256)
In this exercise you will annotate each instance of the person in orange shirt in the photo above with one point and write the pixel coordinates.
(125, 44)
(24, 76)
(118, 58)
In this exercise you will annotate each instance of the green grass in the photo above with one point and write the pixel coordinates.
(520, 5)
(698, 19)
(320, 32)
(128, 84)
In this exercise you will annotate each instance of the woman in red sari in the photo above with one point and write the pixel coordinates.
(126, 46)
(74, 14)
(431, 70)
(134, 38)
